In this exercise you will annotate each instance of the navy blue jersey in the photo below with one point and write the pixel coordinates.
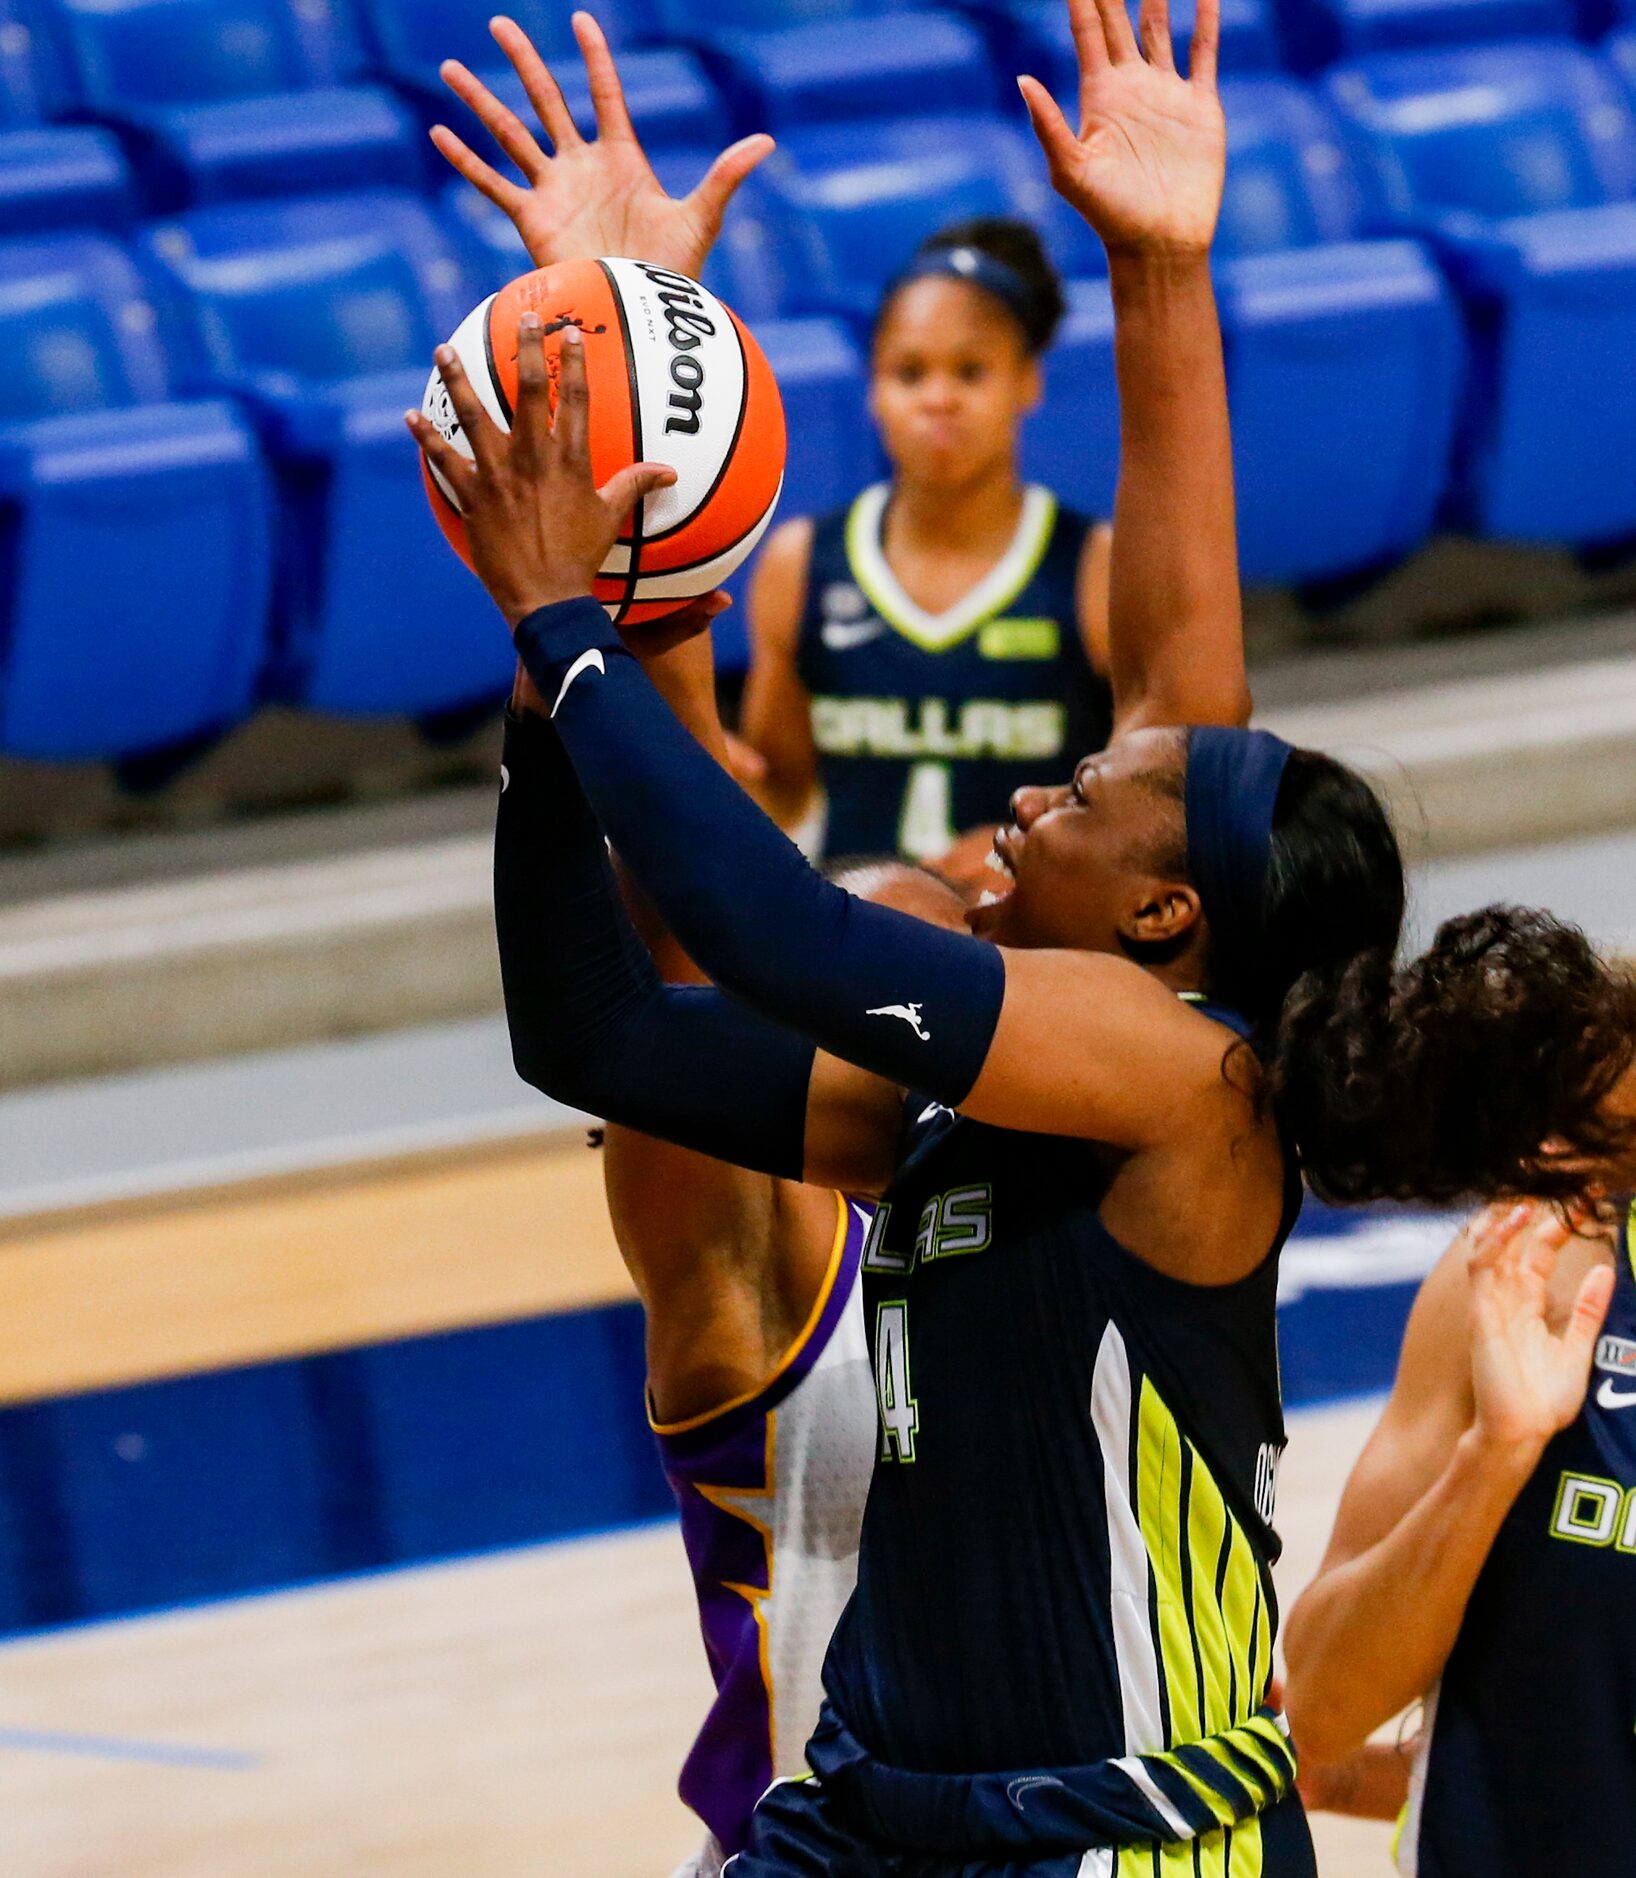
(1529, 1762)
(1067, 1548)
(925, 725)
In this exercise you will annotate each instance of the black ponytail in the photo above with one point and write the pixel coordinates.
(1479, 1071)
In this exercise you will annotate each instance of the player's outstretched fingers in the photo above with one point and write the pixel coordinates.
(531, 420)
(1056, 136)
(1493, 1235)
(1090, 40)
(1154, 24)
(1117, 31)
(483, 177)
(722, 179)
(502, 123)
(613, 118)
(1589, 1313)
(1206, 47)
(539, 86)
(481, 431)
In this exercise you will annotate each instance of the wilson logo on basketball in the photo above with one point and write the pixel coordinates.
(687, 326)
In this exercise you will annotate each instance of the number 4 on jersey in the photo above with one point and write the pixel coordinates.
(899, 1415)
(926, 826)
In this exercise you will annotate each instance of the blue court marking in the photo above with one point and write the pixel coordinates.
(114, 1748)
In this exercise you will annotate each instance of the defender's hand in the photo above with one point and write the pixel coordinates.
(590, 199)
(538, 526)
(1147, 167)
(1528, 1379)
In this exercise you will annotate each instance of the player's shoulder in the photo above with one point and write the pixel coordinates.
(1070, 523)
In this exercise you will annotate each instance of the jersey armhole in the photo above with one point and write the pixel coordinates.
(766, 1393)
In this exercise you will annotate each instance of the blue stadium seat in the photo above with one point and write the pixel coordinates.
(868, 193)
(228, 98)
(121, 506)
(1621, 50)
(33, 82)
(323, 314)
(1072, 441)
(828, 71)
(763, 265)
(833, 450)
(1345, 368)
(61, 177)
(672, 102)
(1520, 163)
(1036, 36)
(1289, 182)
(688, 20)
(1318, 32)
(1344, 356)
(413, 37)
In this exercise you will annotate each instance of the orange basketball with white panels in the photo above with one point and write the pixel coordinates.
(674, 378)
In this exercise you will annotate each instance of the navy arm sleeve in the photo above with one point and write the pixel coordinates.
(592, 1023)
(892, 994)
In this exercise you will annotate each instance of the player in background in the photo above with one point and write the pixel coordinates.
(1484, 1560)
(937, 646)
(758, 1376)
(925, 653)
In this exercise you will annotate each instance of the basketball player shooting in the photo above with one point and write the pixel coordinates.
(1095, 1178)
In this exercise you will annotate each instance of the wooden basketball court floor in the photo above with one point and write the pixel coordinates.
(517, 1716)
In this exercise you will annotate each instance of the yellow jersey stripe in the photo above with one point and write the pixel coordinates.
(1159, 1463)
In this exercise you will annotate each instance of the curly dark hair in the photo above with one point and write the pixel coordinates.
(1480, 1070)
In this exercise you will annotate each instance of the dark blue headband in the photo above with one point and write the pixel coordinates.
(980, 270)
(1233, 778)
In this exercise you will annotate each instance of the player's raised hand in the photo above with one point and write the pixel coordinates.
(1529, 1379)
(1147, 164)
(538, 526)
(589, 199)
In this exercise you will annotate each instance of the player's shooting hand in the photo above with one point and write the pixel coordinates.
(589, 199)
(1529, 1379)
(538, 526)
(1147, 166)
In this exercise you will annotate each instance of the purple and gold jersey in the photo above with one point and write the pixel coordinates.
(771, 1490)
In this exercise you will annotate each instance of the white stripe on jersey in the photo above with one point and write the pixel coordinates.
(1133, 1643)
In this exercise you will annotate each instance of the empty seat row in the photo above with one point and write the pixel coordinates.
(212, 100)
(1428, 279)
(206, 491)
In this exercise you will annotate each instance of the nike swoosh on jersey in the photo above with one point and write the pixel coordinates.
(584, 663)
(844, 638)
(1609, 1396)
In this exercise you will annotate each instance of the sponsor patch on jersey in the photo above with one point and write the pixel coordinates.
(1020, 639)
(1617, 1355)
(843, 600)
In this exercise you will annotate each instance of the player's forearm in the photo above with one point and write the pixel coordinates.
(1176, 639)
(1370, 1636)
(894, 995)
(591, 1023)
(1371, 1784)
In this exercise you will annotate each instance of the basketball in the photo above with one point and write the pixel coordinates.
(674, 378)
